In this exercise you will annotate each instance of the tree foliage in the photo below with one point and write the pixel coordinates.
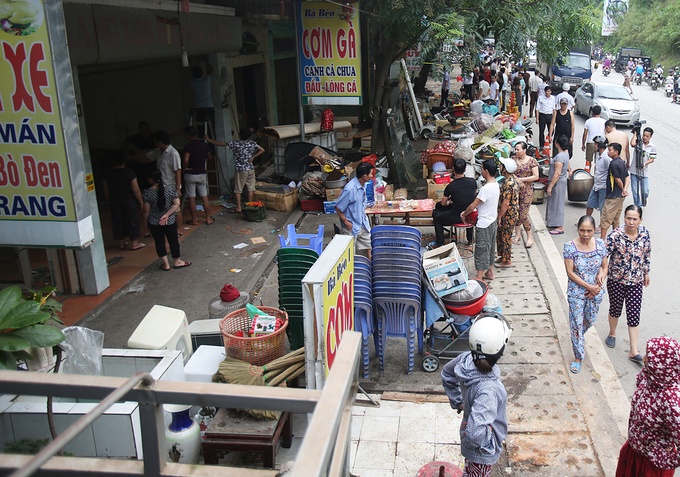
(653, 27)
(24, 323)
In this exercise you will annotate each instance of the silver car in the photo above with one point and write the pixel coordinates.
(616, 102)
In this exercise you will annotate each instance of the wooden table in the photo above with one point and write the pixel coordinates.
(423, 210)
(238, 432)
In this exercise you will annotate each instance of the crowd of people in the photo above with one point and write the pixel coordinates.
(150, 180)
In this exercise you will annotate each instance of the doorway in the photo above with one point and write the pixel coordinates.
(250, 86)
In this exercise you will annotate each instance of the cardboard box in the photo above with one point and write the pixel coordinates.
(426, 172)
(321, 156)
(366, 142)
(329, 207)
(281, 201)
(435, 191)
(333, 194)
(445, 269)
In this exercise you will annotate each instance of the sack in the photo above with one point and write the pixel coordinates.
(254, 213)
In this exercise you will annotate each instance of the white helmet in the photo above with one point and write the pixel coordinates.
(565, 87)
(488, 336)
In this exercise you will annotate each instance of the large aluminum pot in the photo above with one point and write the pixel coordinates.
(539, 193)
(579, 185)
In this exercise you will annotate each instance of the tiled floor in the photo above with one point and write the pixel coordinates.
(399, 438)
(395, 440)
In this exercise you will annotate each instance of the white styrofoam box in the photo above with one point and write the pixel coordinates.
(445, 269)
(117, 433)
(206, 332)
(204, 363)
(163, 328)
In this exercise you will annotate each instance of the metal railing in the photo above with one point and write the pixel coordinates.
(324, 450)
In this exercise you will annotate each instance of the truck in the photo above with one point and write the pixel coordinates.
(625, 54)
(574, 69)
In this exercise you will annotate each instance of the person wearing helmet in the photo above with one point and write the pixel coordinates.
(565, 94)
(594, 126)
(473, 385)
(599, 191)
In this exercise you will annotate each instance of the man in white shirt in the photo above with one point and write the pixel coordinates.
(639, 182)
(565, 94)
(486, 204)
(505, 89)
(534, 83)
(484, 90)
(544, 111)
(168, 161)
(593, 127)
(493, 91)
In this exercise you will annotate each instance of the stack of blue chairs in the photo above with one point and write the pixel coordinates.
(396, 271)
(363, 305)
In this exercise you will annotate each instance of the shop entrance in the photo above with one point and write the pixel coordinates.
(251, 97)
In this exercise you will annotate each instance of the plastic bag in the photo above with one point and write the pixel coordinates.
(463, 152)
(473, 291)
(476, 106)
(493, 304)
(82, 351)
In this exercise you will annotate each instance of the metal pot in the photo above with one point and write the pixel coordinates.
(579, 186)
(335, 184)
(539, 193)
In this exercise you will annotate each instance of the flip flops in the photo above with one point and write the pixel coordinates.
(139, 247)
(575, 367)
(209, 221)
(164, 269)
(186, 264)
(556, 232)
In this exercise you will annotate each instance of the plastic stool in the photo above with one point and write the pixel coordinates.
(315, 241)
(456, 228)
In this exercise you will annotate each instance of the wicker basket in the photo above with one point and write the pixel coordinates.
(259, 350)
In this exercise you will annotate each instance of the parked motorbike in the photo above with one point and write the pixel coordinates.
(606, 70)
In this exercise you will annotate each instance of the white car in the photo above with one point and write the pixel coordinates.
(616, 102)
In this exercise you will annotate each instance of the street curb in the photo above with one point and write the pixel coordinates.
(602, 393)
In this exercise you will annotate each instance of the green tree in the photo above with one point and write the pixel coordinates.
(25, 323)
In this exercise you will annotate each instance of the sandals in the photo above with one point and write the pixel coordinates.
(610, 341)
(164, 269)
(637, 359)
(138, 247)
(209, 221)
(575, 367)
(186, 264)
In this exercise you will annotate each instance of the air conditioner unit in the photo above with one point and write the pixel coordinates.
(163, 328)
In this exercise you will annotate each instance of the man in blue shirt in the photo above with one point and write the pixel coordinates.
(351, 209)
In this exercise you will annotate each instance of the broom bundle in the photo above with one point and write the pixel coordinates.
(276, 373)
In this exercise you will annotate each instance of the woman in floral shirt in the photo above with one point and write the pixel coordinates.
(508, 212)
(586, 262)
(629, 248)
(653, 445)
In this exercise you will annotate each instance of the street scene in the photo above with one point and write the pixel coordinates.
(366, 238)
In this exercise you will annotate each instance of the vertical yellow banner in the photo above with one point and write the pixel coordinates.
(34, 176)
(330, 53)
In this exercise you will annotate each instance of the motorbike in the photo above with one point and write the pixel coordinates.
(638, 80)
(606, 70)
(654, 82)
(669, 86)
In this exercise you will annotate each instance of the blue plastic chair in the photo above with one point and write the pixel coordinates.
(363, 322)
(396, 229)
(396, 318)
(395, 242)
(312, 241)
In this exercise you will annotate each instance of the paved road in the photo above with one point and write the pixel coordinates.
(661, 306)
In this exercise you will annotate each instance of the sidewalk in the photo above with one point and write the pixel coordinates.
(560, 424)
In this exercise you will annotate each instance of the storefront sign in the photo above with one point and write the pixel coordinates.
(329, 52)
(43, 193)
(328, 307)
(338, 304)
(34, 176)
